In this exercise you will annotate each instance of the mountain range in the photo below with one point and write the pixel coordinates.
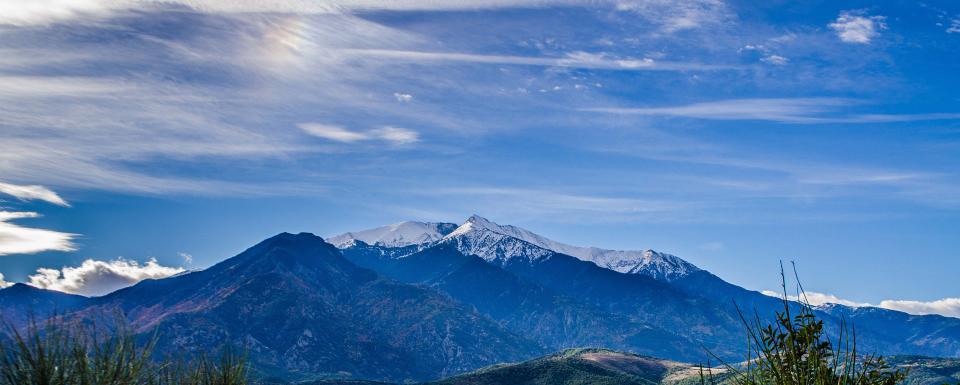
(419, 301)
(693, 307)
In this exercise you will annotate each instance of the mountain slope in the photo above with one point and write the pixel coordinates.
(582, 366)
(640, 297)
(676, 325)
(910, 334)
(554, 320)
(306, 312)
(602, 366)
(20, 302)
(928, 371)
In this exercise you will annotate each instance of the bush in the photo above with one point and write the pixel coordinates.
(58, 354)
(794, 350)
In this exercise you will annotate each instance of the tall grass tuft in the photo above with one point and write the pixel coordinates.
(794, 349)
(60, 354)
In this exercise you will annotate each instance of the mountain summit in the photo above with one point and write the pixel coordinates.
(480, 236)
(396, 235)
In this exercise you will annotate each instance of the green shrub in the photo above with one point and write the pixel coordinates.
(793, 349)
(61, 354)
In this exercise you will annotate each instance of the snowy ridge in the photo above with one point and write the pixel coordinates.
(396, 235)
(648, 262)
(480, 237)
(499, 243)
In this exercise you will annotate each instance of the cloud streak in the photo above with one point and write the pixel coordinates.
(95, 278)
(394, 135)
(672, 15)
(32, 192)
(16, 239)
(579, 59)
(784, 110)
(559, 206)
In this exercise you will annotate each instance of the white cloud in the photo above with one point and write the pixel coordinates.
(19, 12)
(673, 15)
(954, 26)
(336, 133)
(817, 299)
(579, 59)
(949, 307)
(3, 282)
(93, 278)
(775, 60)
(32, 192)
(15, 239)
(187, 258)
(856, 27)
(395, 135)
(786, 110)
(679, 15)
(106, 128)
(403, 98)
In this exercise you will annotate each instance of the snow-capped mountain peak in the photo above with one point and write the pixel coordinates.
(476, 222)
(396, 235)
(494, 242)
(647, 262)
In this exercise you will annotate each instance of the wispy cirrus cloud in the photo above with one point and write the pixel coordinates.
(579, 59)
(394, 135)
(857, 27)
(40, 12)
(785, 110)
(16, 239)
(32, 192)
(102, 127)
(775, 60)
(94, 278)
(557, 205)
(673, 15)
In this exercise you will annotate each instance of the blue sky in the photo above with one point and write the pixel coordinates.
(730, 133)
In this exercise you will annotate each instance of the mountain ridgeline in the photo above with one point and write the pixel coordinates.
(678, 309)
(418, 302)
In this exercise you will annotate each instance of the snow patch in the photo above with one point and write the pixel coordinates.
(647, 262)
(395, 235)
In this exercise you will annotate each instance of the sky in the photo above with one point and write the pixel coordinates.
(140, 139)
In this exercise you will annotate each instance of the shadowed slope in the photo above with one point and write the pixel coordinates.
(304, 311)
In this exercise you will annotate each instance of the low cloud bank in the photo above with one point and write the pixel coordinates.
(949, 307)
(93, 277)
